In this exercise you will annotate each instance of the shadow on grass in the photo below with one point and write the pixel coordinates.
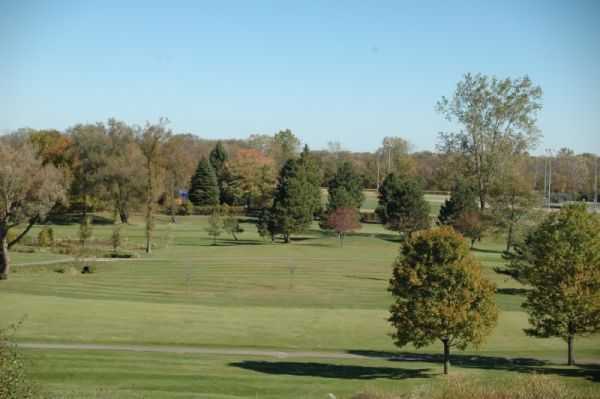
(512, 291)
(487, 251)
(590, 372)
(75, 218)
(365, 278)
(326, 370)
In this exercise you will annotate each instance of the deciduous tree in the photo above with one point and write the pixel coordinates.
(343, 221)
(560, 260)
(440, 293)
(498, 120)
(28, 191)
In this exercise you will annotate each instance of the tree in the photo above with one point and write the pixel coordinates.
(440, 293)
(151, 143)
(345, 188)
(296, 199)
(123, 176)
(560, 260)
(512, 200)
(463, 198)
(231, 225)
(85, 230)
(204, 188)
(402, 205)
(218, 158)
(215, 225)
(256, 174)
(498, 119)
(28, 191)
(343, 221)
(395, 158)
(471, 225)
(285, 146)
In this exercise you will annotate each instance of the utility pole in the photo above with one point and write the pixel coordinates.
(596, 182)
(545, 181)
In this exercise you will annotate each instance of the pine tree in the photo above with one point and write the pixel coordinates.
(345, 189)
(463, 199)
(402, 205)
(204, 190)
(218, 158)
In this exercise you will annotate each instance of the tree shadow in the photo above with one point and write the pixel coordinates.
(589, 372)
(326, 370)
(512, 291)
(487, 251)
(365, 278)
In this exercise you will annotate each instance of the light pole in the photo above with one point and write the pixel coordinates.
(596, 182)
(548, 177)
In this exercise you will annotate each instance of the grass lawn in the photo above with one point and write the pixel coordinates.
(308, 295)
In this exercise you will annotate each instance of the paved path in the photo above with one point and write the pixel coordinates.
(192, 350)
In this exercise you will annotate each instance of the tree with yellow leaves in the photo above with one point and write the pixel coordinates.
(440, 293)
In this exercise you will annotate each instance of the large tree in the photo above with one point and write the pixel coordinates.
(463, 199)
(151, 142)
(28, 191)
(345, 188)
(204, 188)
(256, 174)
(440, 294)
(560, 260)
(402, 205)
(284, 147)
(498, 120)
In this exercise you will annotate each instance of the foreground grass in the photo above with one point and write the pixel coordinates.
(309, 295)
(151, 375)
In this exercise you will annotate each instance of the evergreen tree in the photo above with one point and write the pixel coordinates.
(440, 294)
(204, 189)
(218, 158)
(402, 205)
(560, 260)
(297, 198)
(463, 199)
(345, 188)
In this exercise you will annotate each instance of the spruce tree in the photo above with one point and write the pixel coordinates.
(204, 190)
(218, 158)
(345, 189)
(296, 199)
(402, 205)
(463, 199)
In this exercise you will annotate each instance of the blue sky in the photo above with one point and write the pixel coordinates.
(347, 71)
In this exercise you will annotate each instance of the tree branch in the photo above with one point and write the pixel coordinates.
(32, 221)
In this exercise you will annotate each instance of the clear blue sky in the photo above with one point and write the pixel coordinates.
(348, 71)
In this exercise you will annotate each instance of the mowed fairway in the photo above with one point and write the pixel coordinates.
(310, 295)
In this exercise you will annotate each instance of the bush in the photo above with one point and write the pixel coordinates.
(14, 383)
(208, 210)
(45, 237)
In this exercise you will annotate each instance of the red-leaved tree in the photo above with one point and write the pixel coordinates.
(342, 221)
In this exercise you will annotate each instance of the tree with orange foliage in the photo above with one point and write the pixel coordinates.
(343, 221)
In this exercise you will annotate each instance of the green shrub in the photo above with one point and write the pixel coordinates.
(45, 237)
(14, 382)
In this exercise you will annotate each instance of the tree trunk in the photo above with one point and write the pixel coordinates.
(4, 259)
(571, 354)
(124, 215)
(509, 238)
(341, 236)
(446, 355)
(149, 204)
(286, 238)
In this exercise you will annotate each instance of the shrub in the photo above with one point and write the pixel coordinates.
(14, 383)
(45, 237)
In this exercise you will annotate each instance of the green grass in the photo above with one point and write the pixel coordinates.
(308, 295)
